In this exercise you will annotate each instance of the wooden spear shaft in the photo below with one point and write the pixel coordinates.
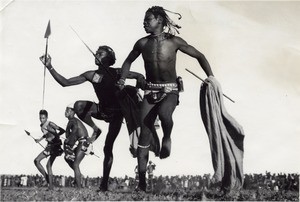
(206, 83)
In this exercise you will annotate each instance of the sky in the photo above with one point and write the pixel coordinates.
(252, 47)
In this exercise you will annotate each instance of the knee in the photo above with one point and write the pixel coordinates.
(166, 118)
(145, 137)
(36, 161)
(107, 151)
(79, 106)
(76, 165)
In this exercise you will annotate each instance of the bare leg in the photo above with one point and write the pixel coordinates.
(166, 109)
(148, 116)
(37, 162)
(85, 110)
(79, 156)
(113, 131)
(49, 169)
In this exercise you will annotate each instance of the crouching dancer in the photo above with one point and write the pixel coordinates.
(53, 148)
(74, 154)
(108, 109)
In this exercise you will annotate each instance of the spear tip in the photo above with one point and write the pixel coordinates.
(28, 133)
(48, 30)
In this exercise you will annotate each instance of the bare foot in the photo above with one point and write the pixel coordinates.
(165, 148)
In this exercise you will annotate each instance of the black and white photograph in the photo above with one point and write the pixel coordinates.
(127, 100)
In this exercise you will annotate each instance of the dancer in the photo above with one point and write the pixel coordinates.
(53, 148)
(159, 50)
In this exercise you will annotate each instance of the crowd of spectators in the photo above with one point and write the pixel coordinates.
(274, 182)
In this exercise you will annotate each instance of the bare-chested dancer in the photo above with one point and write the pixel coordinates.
(75, 132)
(53, 148)
(159, 51)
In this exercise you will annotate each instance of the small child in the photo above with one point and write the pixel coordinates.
(53, 148)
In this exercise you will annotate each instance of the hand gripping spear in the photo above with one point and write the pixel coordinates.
(46, 36)
(28, 133)
(205, 82)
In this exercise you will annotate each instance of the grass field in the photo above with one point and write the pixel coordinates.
(71, 194)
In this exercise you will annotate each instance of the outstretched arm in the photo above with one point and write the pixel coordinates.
(193, 52)
(59, 78)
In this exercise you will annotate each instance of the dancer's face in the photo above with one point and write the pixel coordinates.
(69, 112)
(43, 118)
(100, 54)
(151, 23)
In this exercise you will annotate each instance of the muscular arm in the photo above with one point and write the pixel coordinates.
(193, 52)
(131, 57)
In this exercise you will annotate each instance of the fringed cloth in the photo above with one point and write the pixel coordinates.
(225, 135)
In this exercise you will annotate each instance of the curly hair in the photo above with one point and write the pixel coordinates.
(167, 22)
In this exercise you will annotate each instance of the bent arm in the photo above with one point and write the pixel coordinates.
(134, 75)
(56, 127)
(193, 52)
(127, 63)
(40, 139)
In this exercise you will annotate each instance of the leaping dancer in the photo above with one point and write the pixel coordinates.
(159, 51)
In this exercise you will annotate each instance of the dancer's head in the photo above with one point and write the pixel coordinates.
(69, 113)
(157, 18)
(105, 56)
(43, 116)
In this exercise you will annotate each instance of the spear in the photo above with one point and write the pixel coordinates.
(28, 133)
(86, 45)
(46, 36)
(206, 83)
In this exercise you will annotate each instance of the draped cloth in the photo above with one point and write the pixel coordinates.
(130, 102)
(226, 136)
